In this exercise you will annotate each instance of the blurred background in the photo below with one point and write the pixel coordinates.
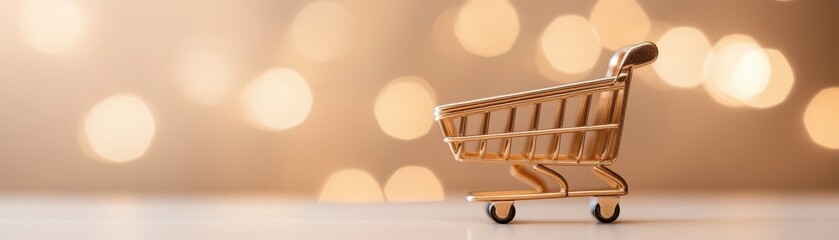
(334, 99)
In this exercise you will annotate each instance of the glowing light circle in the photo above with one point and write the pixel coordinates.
(487, 28)
(278, 99)
(119, 128)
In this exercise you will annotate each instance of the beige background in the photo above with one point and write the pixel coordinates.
(674, 138)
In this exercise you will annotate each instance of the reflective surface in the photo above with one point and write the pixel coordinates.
(644, 216)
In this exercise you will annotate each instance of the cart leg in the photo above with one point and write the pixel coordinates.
(519, 172)
(553, 175)
(606, 208)
(614, 180)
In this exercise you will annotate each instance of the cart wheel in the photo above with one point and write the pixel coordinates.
(492, 214)
(596, 212)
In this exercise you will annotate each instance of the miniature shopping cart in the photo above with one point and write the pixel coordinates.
(577, 124)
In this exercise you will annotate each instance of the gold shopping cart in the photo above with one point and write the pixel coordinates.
(498, 130)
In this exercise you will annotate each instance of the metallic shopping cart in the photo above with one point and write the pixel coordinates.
(577, 124)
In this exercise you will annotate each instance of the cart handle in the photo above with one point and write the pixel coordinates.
(631, 57)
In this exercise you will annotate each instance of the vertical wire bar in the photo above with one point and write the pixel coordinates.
(534, 125)
(507, 145)
(579, 137)
(484, 130)
(556, 141)
(447, 125)
(603, 142)
(461, 133)
(613, 138)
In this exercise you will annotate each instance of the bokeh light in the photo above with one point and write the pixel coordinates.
(414, 184)
(206, 69)
(717, 95)
(403, 108)
(321, 31)
(780, 82)
(119, 128)
(619, 22)
(278, 99)
(51, 26)
(682, 57)
(547, 70)
(351, 186)
(487, 28)
(751, 74)
(737, 70)
(822, 118)
(570, 44)
(443, 37)
(648, 75)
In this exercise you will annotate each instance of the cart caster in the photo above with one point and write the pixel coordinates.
(606, 209)
(597, 214)
(503, 214)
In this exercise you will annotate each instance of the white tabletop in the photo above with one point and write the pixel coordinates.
(265, 216)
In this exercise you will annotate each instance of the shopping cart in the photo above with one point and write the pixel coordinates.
(558, 131)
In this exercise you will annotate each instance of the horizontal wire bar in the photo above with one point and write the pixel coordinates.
(531, 133)
(521, 102)
(550, 91)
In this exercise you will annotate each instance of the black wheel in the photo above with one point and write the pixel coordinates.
(494, 215)
(596, 213)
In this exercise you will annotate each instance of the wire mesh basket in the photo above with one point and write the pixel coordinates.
(577, 124)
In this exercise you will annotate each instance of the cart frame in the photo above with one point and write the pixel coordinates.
(594, 142)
